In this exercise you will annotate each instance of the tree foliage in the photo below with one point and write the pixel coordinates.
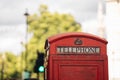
(46, 24)
(12, 65)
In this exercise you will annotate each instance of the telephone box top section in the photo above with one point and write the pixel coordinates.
(76, 43)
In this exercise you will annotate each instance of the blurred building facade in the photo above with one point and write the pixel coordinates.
(113, 36)
(107, 26)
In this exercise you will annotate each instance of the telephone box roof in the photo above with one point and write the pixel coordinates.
(74, 34)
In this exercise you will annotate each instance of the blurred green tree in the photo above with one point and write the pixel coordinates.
(12, 65)
(46, 24)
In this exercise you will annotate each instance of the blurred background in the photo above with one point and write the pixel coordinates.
(25, 25)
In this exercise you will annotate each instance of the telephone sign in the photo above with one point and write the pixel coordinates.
(76, 56)
(78, 50)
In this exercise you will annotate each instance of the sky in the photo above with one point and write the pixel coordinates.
(11, 12)
(12, 19)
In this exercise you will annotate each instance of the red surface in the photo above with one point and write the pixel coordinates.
(76, 66)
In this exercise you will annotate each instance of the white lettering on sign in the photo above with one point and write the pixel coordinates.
(79, 50)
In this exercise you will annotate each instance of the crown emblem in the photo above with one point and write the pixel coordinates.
(78, 42)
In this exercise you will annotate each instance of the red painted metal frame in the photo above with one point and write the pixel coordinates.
(67, 66)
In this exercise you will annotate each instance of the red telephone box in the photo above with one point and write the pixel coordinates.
(76, 56)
